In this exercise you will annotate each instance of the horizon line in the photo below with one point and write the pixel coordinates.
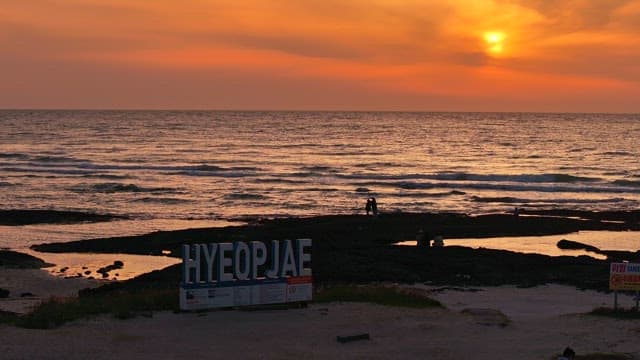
(325, 110)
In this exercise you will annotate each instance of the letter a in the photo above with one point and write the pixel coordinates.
(288, 260)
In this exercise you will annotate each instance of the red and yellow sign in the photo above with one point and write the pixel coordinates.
(624, 276)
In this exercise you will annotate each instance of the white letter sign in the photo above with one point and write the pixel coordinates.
(238, 274)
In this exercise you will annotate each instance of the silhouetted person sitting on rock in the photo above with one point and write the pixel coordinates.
(423, 238)
(438, 242)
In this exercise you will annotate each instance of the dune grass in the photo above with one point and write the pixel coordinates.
(389, 296)
(603, 356)
(127, 304)
(599, 356)
(122, 305)
(624, 314)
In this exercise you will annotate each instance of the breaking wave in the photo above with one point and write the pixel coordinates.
(462, 176)
(633, 183)
(244, 196)
(20, 156)
(118, 188)
(578, 188)
(516, 200)
(162, 200)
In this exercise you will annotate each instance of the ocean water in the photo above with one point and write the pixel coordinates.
(176, 169)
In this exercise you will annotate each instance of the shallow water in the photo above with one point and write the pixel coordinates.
(86, 265)
(23, 237)
(604, 240)
(20, 238)
(170, 170)
(206, 165)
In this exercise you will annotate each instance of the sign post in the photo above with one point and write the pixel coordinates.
(624, 276)
(245, 273)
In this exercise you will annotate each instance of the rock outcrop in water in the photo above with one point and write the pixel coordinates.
(612, 255)
(357, 248)
(16, 260)
(30, 217)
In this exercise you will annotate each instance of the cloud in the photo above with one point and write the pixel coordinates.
(576, 15)
(416, 48)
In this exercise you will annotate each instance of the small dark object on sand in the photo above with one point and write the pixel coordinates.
(26, 294)
(567, 354)
(345, 339)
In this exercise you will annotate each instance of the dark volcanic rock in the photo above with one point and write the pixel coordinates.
(612, 255)
(342, 231)
(27, 217)
(358, 248)
(105, 270)
(574, 245)
(13, 259)
(629, 217)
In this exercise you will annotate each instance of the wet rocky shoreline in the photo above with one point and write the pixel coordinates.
(359, 248)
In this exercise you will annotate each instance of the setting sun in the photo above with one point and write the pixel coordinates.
(494, 41)
(363, 55)
(161, 160)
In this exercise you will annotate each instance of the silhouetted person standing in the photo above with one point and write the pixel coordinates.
(368, 206)
(374, 206)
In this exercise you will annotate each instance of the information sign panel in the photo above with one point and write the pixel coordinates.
(624, 276)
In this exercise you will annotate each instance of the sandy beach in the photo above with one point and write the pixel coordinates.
(29, 287)
(486, 323)
(496, 304)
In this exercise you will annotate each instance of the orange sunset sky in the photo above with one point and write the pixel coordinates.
(460, 55)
